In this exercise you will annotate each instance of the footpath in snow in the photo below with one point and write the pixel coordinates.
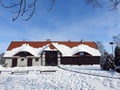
(67, 77)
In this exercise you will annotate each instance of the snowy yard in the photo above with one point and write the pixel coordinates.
(75, 78)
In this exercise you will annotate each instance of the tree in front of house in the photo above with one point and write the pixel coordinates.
(101, 47)
(106, 60)
(117, 58)
(116, 42)
(1, 59)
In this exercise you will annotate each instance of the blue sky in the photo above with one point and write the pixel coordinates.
(69, 19)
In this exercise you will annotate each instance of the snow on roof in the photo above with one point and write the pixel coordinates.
(86, 48)
(27, 48)
(64, 49)
(67, 51)
(38, 44)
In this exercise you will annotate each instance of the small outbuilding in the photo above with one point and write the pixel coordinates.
(51, 53)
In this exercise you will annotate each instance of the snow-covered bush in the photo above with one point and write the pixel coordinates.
(107, 61)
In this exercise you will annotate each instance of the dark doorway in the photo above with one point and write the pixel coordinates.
(29, 62)
(14, 62)
(51, 58)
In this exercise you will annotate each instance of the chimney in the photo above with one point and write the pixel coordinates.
(48, 40)
(69, 40)
(82, 40)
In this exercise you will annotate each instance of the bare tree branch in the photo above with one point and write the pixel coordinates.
(30, 15)
(115, 4)
(14, 5)
(116, 39)
(53, 3)
(22, 8)
(94, 3)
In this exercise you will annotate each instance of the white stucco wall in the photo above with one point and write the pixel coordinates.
(36, 63)
(8, 62)
(43, 59)
(22, 63)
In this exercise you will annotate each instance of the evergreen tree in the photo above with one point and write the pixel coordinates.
(117, 58)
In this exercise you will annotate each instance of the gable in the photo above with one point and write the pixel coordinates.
(68, 51)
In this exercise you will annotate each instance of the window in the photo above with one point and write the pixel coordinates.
(22, 59)
(82, 53)
(36, 59)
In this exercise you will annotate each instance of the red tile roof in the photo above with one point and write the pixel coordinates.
(37, 44)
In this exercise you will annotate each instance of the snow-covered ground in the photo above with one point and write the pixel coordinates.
(75, 78)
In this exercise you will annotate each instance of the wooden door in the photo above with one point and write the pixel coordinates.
(29, 62)
(14, 62)
(51, 58)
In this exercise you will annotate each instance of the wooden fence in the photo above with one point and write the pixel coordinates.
(80, 60)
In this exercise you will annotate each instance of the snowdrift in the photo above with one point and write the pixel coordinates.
(59, 80)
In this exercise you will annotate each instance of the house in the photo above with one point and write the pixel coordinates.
(51, 53)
